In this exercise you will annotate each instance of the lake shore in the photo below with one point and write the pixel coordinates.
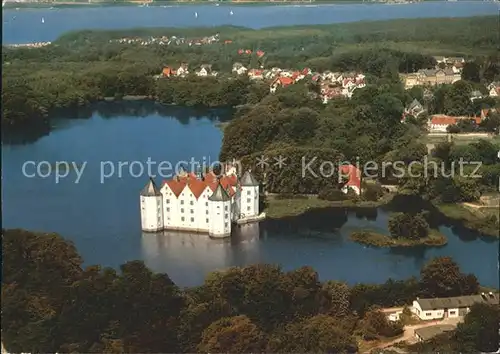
(375, 239)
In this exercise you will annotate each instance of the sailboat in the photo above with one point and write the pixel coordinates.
(43, 20)
(231, 12)
(196, 14)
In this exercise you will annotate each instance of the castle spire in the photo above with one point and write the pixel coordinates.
(220, 194)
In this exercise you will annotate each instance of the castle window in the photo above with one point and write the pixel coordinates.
(167, 201)
(206, 204)
(207, 221)
(191, 202)
(249, 200)
(192, 219)
(249, 192)
(182, 218)
(182, 210)
(168, 210)
(207, 212)
(248, 208)
(182, 202)
(225, 225)
(225, 208)
(218, 206)
(192, 211)
(225, 216)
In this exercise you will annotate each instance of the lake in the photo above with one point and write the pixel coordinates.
(25, 25)
(103, 219)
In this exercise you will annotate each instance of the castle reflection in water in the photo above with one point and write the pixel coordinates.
(194, 255)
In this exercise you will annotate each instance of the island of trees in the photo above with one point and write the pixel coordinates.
(51, 304)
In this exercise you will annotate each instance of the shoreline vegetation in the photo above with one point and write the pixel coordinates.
(375, 239)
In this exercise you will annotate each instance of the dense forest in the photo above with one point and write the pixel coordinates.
(51, 304)
(86, 66)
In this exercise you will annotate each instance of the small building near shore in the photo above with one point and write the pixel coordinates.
(426, 333)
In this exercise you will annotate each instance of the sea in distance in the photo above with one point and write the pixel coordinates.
(103, 219)
(26, 26)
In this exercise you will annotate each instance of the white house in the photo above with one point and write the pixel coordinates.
(494, 89)
(438, 308)
(206, 203)
(475, 95)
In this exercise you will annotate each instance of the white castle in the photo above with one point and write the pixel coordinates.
(205, 203)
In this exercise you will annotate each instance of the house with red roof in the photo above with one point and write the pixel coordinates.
(206, 203)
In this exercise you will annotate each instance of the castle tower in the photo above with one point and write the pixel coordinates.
(151, 207)
(219, 212)
(249, 203)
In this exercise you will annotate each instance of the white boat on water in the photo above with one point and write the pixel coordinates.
(43, 20)
(231, 12)
(196, 15)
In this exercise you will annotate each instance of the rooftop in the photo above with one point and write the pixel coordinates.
(458, 301)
